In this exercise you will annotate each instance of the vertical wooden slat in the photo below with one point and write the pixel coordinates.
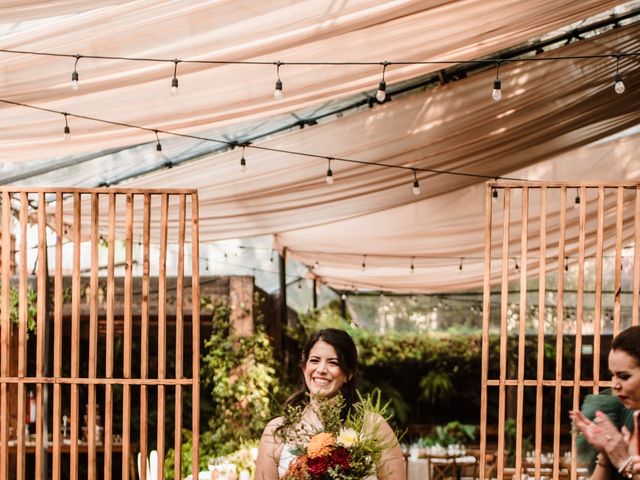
(162, 328)
(144, 333)
(57, 340)
(486, 319)
(617, 288)
(636, 260)
(559, 332)
(5, 336)
(524, 252)
(22, 333)
(109, 340)
(93, 336)
(75, 336)
(179, 337)
(128, 299)
(577, 373)
(504, 305)
(41, 305)
(597, 316)
(195, 317)
(541, 314)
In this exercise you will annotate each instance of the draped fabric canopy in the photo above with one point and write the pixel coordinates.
(544, 128)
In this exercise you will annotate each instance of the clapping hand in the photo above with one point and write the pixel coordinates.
(603, 435)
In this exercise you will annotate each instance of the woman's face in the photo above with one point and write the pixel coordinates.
(625, 378)
(322, 372)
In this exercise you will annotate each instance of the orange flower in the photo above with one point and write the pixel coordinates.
(297, 469)
(320, 445)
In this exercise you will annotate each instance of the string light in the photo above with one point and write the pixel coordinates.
(316, 265)
(566, 264)
(232, 144)
(381, 94)
(618, 85)
(158, 145)
(329, 173)
(516, 266)
(67, 130)
(277, 92)
(413, 268)
(364, 262)
(497, 84)
(416, 184)
(174, 80)
(460, 266)
(243, 161)
(74, 75)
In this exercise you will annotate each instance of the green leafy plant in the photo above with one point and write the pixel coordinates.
(436, 387)
(450, 434)
(14, 307)
(239, 373)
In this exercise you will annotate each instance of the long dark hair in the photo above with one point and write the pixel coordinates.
(347, 353)
(628, 341)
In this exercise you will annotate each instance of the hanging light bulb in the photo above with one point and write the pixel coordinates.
(174, 80)
(416, 184)
(277, 92)
(74, 75)
(497, 85)
(618, 85)
(381, 94)
(494, 193)
(364, 262)
(329, 173)
(74, 81)
(316, 265)
(243, 162)
(67, 130)
(576, 201)
(413, 268)
(460, 266)
(158, 146)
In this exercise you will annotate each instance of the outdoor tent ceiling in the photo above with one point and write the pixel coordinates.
(548, 110)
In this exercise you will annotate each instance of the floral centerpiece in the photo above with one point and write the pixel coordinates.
(348, 450)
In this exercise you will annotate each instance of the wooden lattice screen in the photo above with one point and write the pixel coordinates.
(544, 351)
(92, 269)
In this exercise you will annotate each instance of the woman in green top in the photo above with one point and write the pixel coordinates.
(608, 423)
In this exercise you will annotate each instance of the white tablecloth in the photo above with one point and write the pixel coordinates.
(418, 468)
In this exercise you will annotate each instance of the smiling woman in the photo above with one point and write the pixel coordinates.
(610, 425)
(328, 366)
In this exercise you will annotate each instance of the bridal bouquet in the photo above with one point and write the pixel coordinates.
(335, 451)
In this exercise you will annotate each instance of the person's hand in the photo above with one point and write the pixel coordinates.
(603, 435)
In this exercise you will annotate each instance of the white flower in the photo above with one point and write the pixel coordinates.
(347, 437)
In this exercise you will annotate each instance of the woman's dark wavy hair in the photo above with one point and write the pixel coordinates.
(347, 359)
(628, 341)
